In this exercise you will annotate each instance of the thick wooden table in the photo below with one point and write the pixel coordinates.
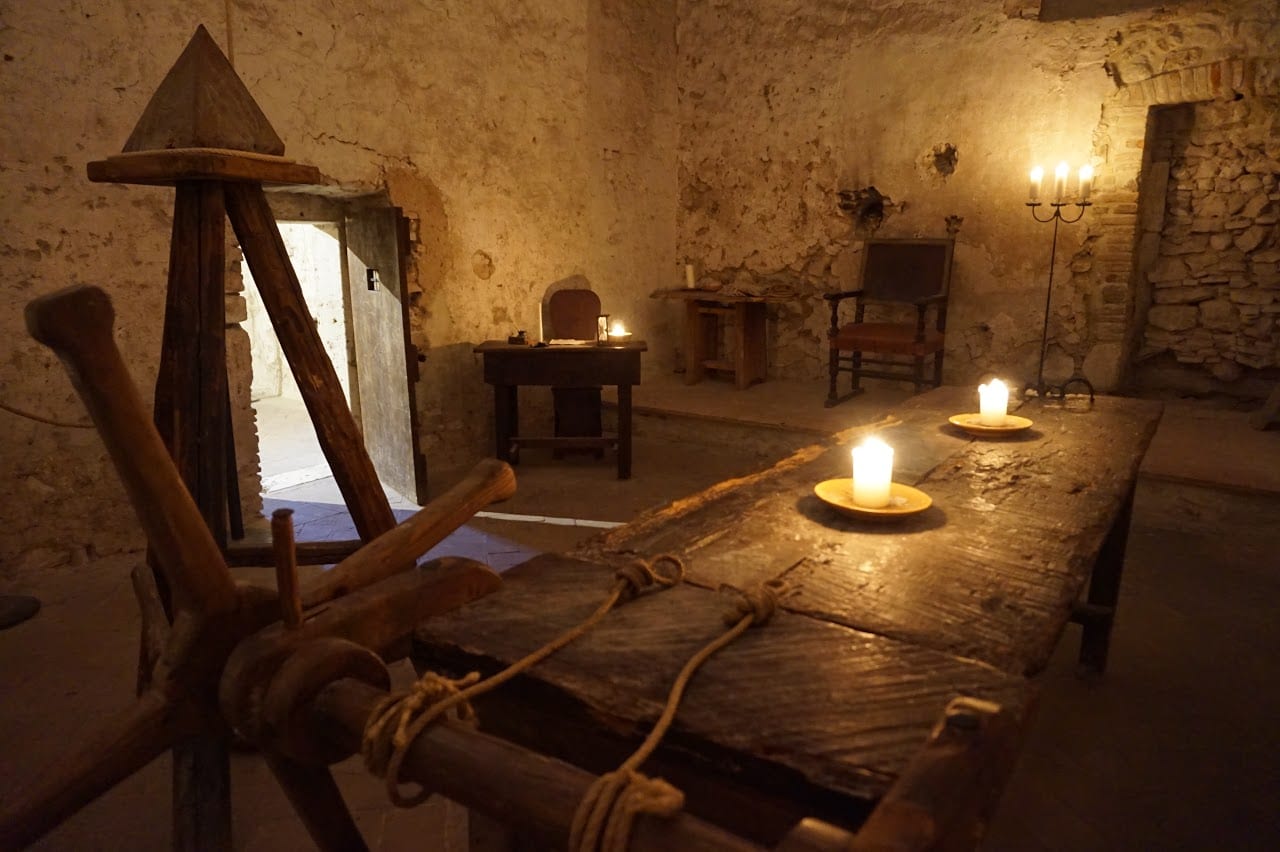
(818, 711)
(507, 366)
(706, 313)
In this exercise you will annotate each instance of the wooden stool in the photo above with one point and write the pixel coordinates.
(742, 324)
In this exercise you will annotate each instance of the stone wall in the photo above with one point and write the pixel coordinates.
(942, 108)
(538, 136)
(1215, 281)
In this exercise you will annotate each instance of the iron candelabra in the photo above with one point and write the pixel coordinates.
(1057, 217)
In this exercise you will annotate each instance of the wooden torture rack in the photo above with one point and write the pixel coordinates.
(297, 671)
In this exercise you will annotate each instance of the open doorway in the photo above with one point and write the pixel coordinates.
(349, 266)
(288, 451)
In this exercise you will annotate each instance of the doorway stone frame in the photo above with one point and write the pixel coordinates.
(1123, 235)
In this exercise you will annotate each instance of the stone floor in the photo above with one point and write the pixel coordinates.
(1174, 748)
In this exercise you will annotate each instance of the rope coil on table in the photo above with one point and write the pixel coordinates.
(398, 719)
(603, 820)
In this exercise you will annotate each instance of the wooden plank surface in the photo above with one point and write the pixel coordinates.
(561, 366)
(217, 164)
(723, 296)
(989, 571)
(882, 624)
(843, 709)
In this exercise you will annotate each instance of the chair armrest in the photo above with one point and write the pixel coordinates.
(843, 294)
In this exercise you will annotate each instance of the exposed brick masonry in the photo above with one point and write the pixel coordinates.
(1216, 281)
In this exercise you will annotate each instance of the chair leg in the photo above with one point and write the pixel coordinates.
(937, 368)
(917, 373)
(856, 362)
(833, 370)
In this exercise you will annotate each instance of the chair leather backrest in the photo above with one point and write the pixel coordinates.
(906, 270)
(572, 314)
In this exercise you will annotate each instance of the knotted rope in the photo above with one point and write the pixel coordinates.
(397, 720)
(603, 820)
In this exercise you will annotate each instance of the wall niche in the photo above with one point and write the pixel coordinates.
(1211, 284)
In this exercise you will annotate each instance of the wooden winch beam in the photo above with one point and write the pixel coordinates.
(76, 323)
(213, 615)
(535, 793)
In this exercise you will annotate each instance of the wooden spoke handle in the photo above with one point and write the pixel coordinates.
(488, 482)
(76, 323)
(117, 750)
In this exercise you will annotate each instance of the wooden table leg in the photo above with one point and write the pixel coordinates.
(506, 419)
(749, 354)
(1098, 614)
(694, 347)
(624, 431)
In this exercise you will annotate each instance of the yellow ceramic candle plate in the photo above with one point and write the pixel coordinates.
(903, 499)
(970, 423)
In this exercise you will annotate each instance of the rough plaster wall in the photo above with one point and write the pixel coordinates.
(784, 102)
(490, 123)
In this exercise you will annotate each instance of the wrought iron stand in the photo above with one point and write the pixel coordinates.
(1077, 378)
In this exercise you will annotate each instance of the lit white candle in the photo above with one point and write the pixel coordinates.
(689, 280)
(1037, 180)
(1060, 181)
(993, 402)
(872, 473)
(1086, 182)
(618, 332)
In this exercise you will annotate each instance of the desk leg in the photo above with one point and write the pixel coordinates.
(506, 419)
(624, 431)
(750, 356)
(1098, 614)
(694, 346)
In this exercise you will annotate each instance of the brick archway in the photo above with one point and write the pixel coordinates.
(1118, 245)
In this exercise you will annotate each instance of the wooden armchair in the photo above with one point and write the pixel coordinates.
(897, 274)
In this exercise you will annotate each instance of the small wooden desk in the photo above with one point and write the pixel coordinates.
(817, 712)
(705, 313)
(507, 366)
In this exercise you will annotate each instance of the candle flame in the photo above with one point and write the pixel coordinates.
(994, 384)
(875, 445)
(1037, 174)
(1061, 171)
(1086, 173)
(618, 329)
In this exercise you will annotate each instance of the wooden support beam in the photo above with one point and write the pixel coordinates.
(336, 429)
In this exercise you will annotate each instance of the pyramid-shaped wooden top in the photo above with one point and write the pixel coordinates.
(202, 103)
(202, 124)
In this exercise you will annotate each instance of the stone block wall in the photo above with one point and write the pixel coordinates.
(943, 108)
(1215, 283)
